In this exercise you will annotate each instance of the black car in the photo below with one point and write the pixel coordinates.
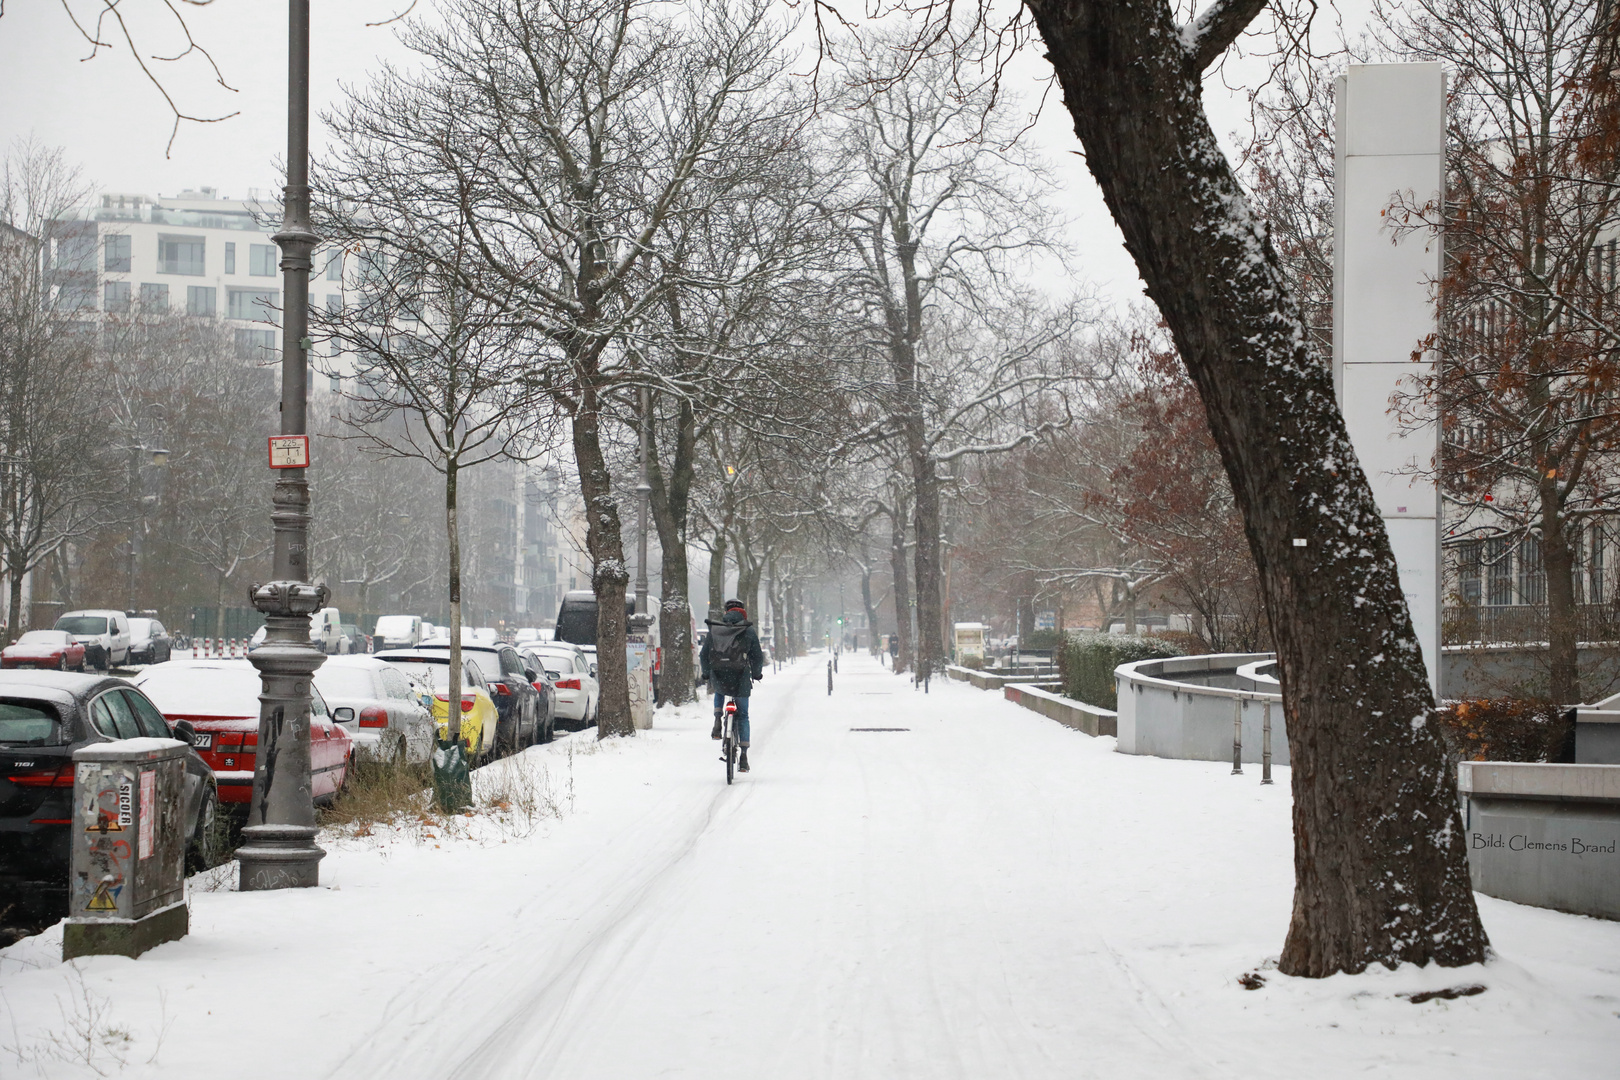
(44, 717)
(522, 696)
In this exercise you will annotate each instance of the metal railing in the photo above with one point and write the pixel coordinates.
(1486, 624)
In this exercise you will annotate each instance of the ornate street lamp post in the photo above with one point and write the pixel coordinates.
(280, 850)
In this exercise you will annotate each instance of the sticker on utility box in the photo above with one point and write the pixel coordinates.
(289, 451)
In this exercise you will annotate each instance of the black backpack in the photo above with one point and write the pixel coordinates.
(728, 646)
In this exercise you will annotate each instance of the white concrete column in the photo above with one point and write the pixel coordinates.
(1391, 144)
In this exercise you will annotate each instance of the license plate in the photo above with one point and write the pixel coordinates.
(202, 740)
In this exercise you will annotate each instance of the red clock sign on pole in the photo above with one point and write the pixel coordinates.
(289, 451)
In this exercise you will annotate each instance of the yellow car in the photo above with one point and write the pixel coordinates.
(430, 672)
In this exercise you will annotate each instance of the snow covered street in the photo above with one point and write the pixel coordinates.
(986, 894)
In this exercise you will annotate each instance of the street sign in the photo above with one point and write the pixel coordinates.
(289, 451)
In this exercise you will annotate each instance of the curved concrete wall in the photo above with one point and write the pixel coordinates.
(1184, 707)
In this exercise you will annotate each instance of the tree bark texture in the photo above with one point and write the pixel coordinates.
(1379, 857)
(609, 575)
(902, 590)
(717, 574)
(1563, 630)
(671, 499)
(452, 532)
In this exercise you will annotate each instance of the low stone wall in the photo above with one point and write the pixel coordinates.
(1546, 835)
(993, 680)
(1066, 711)
(1185, 708)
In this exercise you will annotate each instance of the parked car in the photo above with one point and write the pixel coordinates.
(574, 677)
(104, 635)
(480, 721)
(44, 717)
(527, 713)
(149, 642)
(220, 698)
(526, 634)
(44, 649)
(397, 632)
(374, 701)
(354, 642)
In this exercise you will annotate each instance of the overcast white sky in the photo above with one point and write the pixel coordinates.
(114, 123)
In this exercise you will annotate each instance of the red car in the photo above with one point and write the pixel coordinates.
(44, 649)
(221, 699)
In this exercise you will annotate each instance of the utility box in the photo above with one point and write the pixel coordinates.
(127, 885)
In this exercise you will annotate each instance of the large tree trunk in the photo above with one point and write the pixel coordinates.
(902, 590)
(670, 501)
(609, 575)
(14, 583)
(1563, 629)
(717, 573)
(452, 533)
(1379, 860)
(866, 605)
(930, 637)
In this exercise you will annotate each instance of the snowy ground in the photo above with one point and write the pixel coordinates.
(985, 895)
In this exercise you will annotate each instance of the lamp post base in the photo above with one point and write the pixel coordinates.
(279, 857)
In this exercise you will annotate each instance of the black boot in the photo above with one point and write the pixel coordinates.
(742, 763)
(715, 733)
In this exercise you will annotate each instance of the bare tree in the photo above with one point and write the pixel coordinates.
(568, 135)
(1380, 867)
(439, 371)
(1529, 380)
(944, 200)
(54, 462)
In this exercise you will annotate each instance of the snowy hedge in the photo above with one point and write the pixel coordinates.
(1087, 662)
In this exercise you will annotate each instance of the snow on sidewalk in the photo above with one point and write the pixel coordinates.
(987, 894)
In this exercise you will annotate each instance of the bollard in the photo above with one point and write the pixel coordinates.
(1265, 746)
(194, 648)
(835, 661)
(829, 677)
(127, 883)
(1237, 737)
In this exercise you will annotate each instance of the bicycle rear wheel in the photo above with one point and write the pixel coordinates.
(731, 755)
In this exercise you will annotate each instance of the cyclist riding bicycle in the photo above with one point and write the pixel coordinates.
(731, 662)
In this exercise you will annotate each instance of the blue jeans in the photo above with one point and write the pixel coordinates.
(742, 715)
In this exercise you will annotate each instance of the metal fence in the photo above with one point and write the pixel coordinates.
(1486, 624)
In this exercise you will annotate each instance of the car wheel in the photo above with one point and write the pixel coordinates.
(61, 662)
(210, 834)
(396, 750)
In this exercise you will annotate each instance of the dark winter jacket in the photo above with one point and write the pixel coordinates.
(733, 683)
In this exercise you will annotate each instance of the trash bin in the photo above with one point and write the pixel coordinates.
(126, 885)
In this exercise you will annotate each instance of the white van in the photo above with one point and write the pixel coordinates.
(103, 633)
(397, 632)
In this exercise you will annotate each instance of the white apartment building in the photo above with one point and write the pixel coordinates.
(195, 253)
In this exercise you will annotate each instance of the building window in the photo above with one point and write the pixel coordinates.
(256, 345)
(261, 260)
(76, 251)
(1532, 575)
(182, 255)
(154, 296)
(115, 254)
(200, 300)
(77, 297)
(230, 258)
(115, 296)
(1468, 568)
(337, 384)
(258, 305)
(1498, 571)
(334, 266)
